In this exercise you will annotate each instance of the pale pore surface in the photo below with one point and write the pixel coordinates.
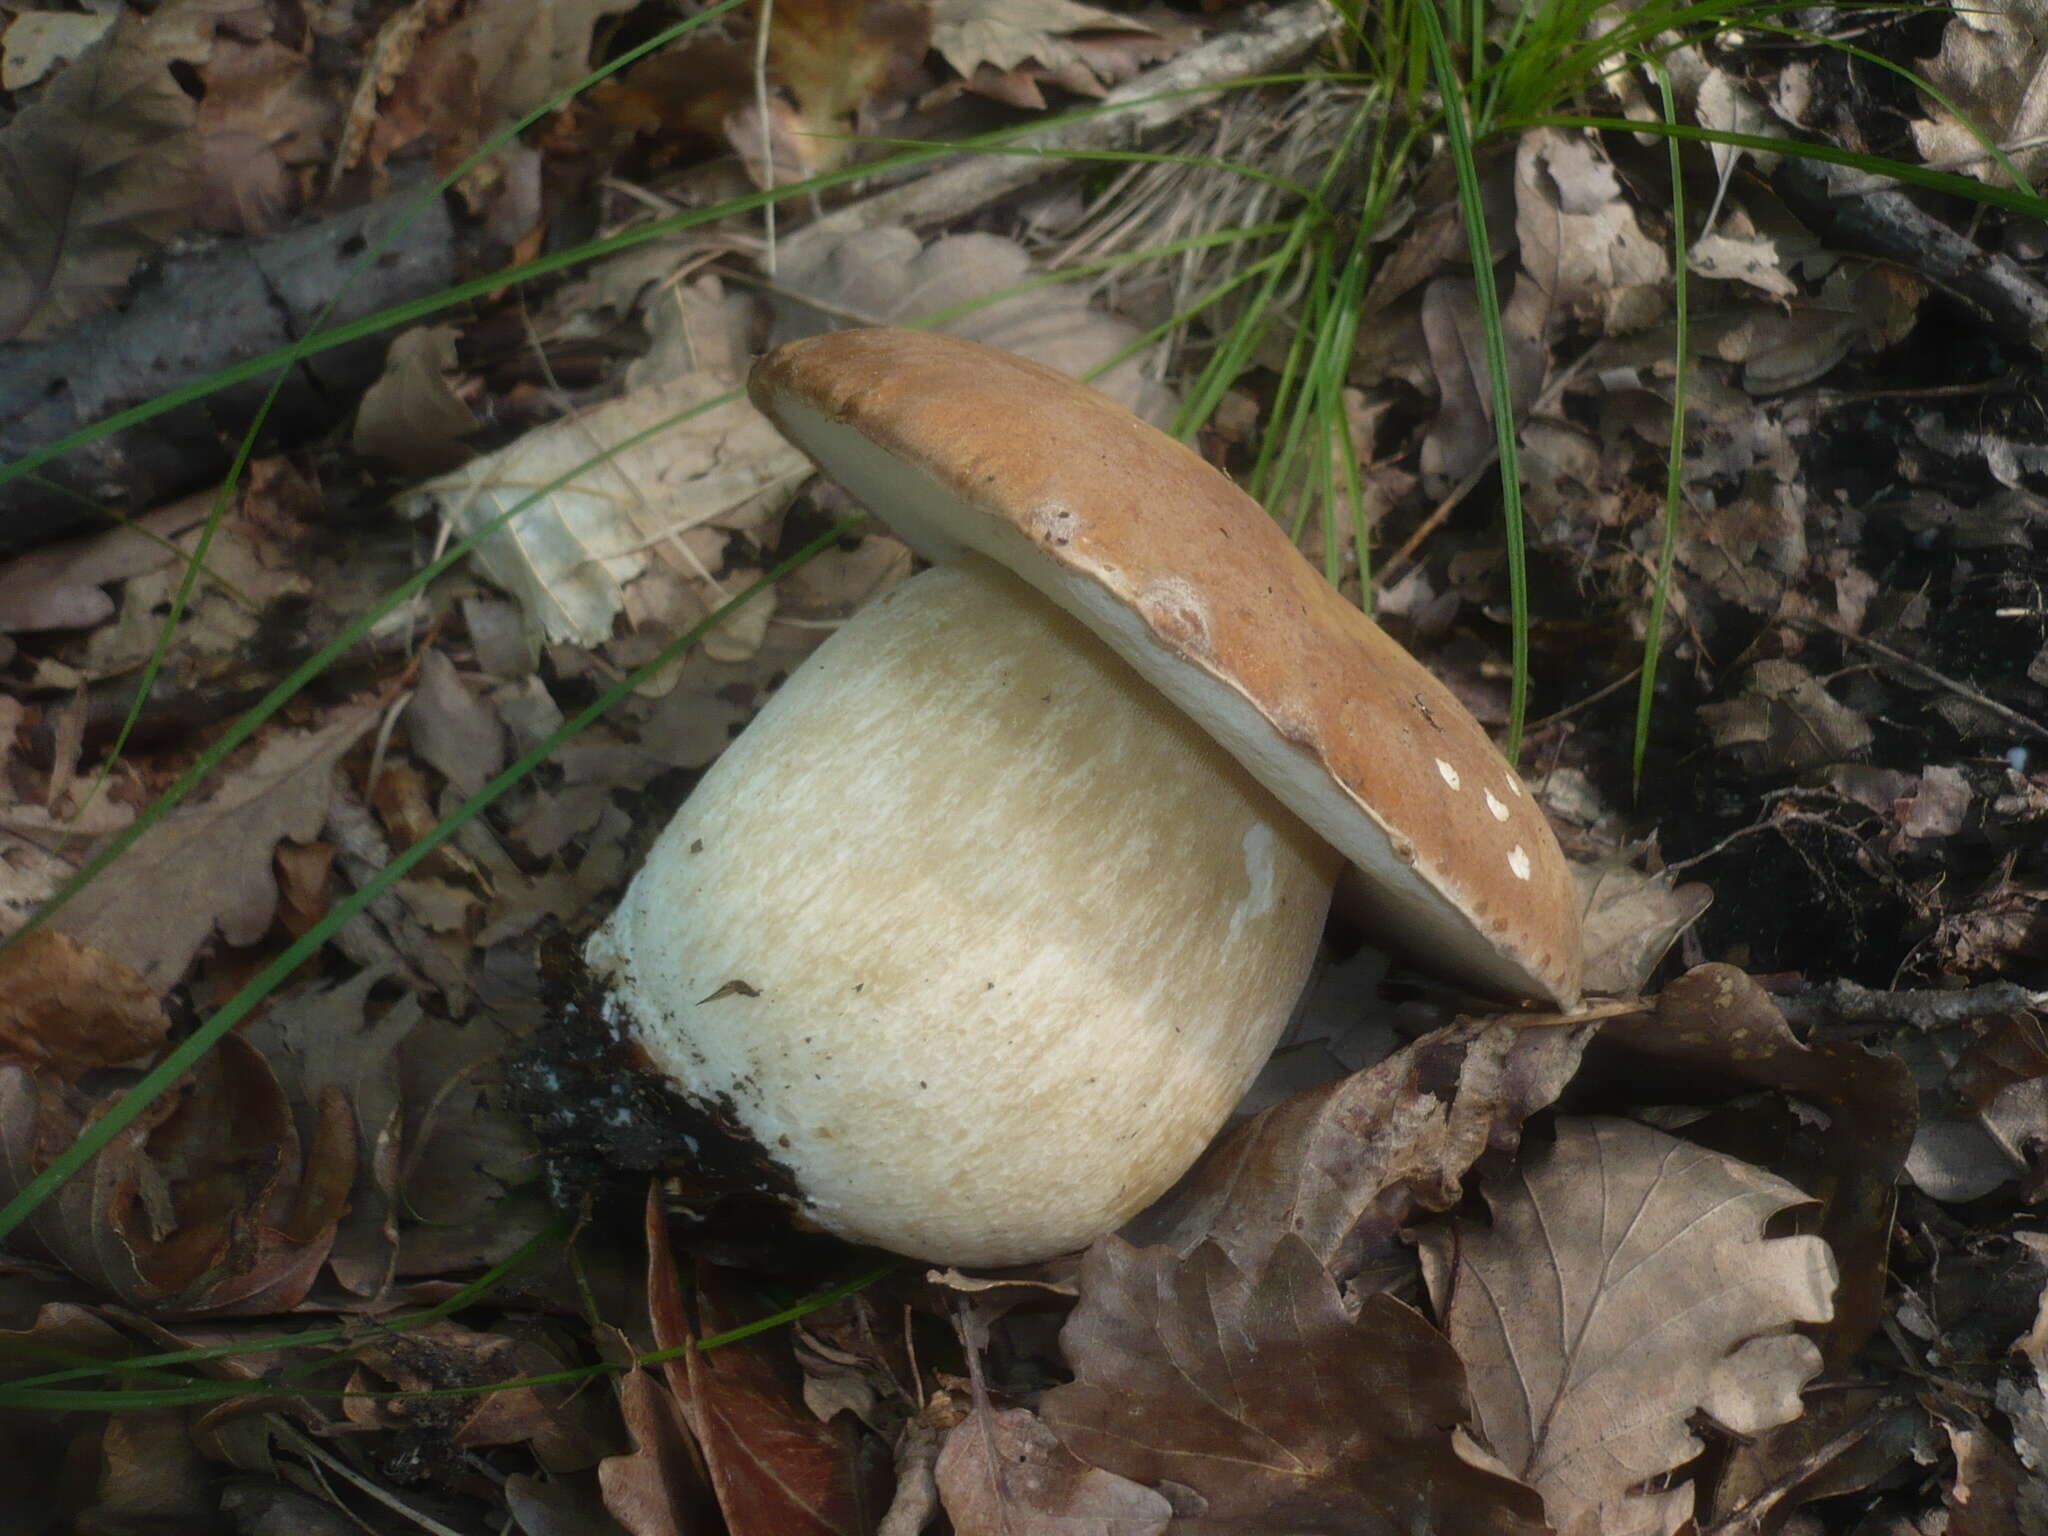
(1022, 933)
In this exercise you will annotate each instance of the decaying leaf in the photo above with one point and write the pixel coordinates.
(1993, 66)
(94, 175)
(1580, 241)
(1258, 1394)
(1784, 718)
(36, 42)
(210, 866)
(66, 1009)
(205, 1203)
(836, 54)
(1624, 1284)
(1345, 1166)
(569, 557)
(1000, 35)
(1631, 921)
(1003, 1473)
(411, 418)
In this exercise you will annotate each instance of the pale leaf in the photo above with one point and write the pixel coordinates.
(1624, 1284)
(570, 555)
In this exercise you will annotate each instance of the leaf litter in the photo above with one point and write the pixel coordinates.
(1841, 756)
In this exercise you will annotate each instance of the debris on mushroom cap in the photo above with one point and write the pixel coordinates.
(958, 446)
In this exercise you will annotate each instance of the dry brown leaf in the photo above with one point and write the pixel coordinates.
(1276, 1409)
(1624, 1284)
(211, 865)
(1993, 66)
(1631, 921)
(653, 1489)
(411, 418)
(262, 122)
(1345, 1166)
(452, 728)
(205, 1203)
(1580, 241)
(835, 55)
(95, 174)
(66, 1009)
(1003, 1473)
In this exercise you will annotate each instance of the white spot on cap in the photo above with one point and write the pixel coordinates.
(1450, 774)
(1518, 861)
(1493, 804)
(1514, 786)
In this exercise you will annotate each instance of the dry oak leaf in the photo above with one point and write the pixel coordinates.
(1003, 1473)
(1624, 1284)
(1003, 34)
(95, 174)
(1269, 1406)
(211, 865)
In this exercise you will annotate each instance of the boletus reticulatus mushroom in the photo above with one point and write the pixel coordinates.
(981, 928)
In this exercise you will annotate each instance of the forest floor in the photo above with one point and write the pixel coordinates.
(1752, 1243)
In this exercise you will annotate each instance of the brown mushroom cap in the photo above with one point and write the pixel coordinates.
(959, 446)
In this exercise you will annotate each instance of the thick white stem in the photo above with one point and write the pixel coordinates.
(971, 930)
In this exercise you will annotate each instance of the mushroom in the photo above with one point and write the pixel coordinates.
(981, 928)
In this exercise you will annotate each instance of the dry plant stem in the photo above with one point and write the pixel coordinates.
(1845, 1002)
(975, 180)
(2012, 717)
(1876, 216)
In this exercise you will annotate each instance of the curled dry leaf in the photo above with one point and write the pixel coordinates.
(1003, 1473)
(66, 1009)
(1270, 1406)
(1624, 1284)
(1344, 1166)
(204, 1204)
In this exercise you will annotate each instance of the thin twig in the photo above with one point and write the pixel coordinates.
(2005, 712)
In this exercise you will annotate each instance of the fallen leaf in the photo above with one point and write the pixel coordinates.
(452, 728)
(777, 1471)
(1276, 1409)
(203, 1204)
(1992, 67)
(66, 1009)
(411, 418)
(1345, 1166)
(1624, 1284)
(36, 42)
(834, 55)
(263, 120)
(95, 174)
(1579, 238)
(1632, 919)
(570, 556)
(211, 865)
(1003, 1473)
(1001, 34)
